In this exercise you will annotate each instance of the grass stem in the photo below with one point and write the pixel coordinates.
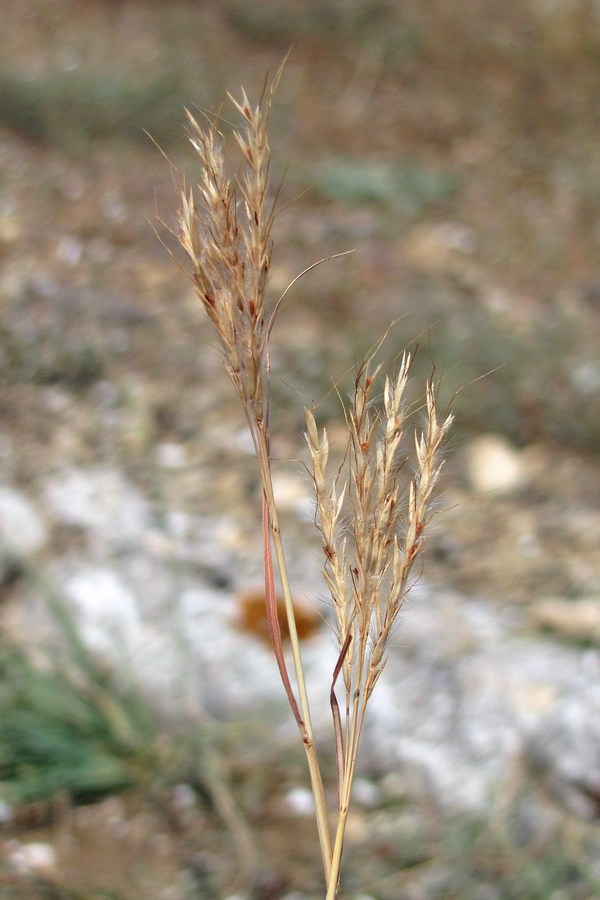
(305, 723)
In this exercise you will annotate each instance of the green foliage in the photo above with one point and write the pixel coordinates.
(64, 108)
(404, 189)
(67, 731)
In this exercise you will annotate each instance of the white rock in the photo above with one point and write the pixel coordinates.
(494, 465)
(6, 813)
(300, 801)
(171, 456)
(464, 698)
(99, 500)
(33, 857)
(22, 529)
(69, 250)
(184, 797)
(585, 377)
(366, 793)
(290, 492)
(106, 611)
(457, 727)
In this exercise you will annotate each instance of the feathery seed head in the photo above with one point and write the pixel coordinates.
(367, 562)
(225, 231)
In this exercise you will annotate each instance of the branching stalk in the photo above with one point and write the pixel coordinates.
(371, 516)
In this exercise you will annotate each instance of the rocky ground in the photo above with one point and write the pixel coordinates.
(462, 175)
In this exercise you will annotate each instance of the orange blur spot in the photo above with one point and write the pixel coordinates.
(252, 616)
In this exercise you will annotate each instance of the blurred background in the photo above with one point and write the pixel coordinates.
(144, 747)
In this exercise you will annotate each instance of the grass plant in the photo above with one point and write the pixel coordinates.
(67, 728)
(372, 512)
(60, 737)
(68, 731)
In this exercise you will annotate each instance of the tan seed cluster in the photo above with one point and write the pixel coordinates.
(225, 229)
(373, 520)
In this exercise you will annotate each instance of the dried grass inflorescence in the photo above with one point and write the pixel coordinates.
(373, 523)
(225, 229)
(372, 532)
(373, 518)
